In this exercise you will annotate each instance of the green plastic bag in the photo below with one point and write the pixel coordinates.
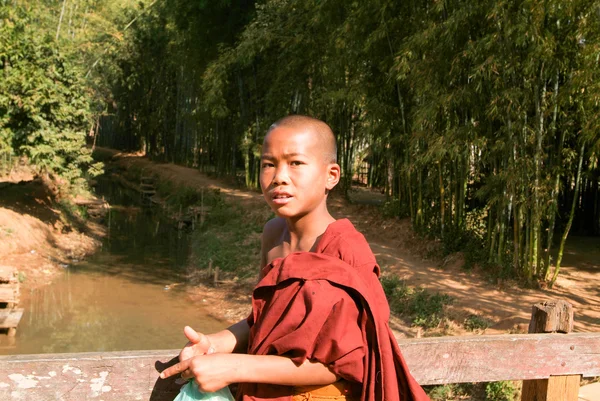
(190, 392)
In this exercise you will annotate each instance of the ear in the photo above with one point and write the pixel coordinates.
(333, 175)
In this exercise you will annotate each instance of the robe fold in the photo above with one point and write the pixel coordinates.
(328, 306)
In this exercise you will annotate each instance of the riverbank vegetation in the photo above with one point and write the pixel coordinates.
(478, 120)
(40, 235)
(47, 107)
(228, 239)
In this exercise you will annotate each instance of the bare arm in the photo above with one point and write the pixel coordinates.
(215, 371)
(235, 337)
(222, 367)
(232, 339)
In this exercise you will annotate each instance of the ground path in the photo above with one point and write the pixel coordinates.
(505, 304)
(398, 251)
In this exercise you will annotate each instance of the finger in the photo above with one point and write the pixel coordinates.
(191, 335)
(186, 374)
(175, 369)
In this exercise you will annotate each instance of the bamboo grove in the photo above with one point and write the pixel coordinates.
(479, 119)
(48, 102)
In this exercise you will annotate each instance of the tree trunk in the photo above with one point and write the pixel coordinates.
(516, 237)
(570, 221)
(442, 201)
(556, 187)
(62, 13)
(537, 219)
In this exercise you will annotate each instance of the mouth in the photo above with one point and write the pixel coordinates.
(281, 199)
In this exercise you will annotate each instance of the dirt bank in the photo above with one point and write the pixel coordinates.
(38, 237)
(504, 305)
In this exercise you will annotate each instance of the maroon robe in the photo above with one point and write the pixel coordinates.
(329, 306)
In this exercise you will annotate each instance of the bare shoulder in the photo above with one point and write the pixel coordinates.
(271, 240)
(273, 230)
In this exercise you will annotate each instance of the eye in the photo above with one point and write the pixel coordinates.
(296, 163)
(266, 165)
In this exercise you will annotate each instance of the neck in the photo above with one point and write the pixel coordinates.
(305, 231)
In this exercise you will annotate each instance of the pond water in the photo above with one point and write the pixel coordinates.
(124, 297)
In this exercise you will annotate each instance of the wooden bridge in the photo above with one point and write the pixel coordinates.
(551, 366)
(10, 315)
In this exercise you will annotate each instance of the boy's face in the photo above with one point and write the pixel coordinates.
(294, 175)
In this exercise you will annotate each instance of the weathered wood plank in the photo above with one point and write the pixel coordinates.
(557, 388)
(8, 274)
(10, 317)
(551, 317)
(9, 293)
(133, 375)
(113, 376)
(504, 357)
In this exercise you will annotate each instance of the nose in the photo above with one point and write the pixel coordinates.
(281, 176)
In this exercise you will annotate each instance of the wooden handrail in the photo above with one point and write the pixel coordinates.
(464, 359)
(133, 375)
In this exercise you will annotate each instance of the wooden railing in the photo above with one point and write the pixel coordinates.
(550, 363)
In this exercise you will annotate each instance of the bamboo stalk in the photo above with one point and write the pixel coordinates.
(553, 209)
(442, 201)
(570, 221)
(62, 13)
(516, 239)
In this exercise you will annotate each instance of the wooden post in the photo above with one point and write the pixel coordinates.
(201, 207)
(216, 279)
(552, 317)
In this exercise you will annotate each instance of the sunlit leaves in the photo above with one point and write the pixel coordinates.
(44, 113)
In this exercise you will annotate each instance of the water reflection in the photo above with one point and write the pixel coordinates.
(125, 297)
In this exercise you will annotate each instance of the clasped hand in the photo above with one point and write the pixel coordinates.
(198, 360)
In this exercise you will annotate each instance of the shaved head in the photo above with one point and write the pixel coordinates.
(317, 127)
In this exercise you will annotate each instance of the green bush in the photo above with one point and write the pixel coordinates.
(231, 239)
(422, 307)
(449, 391)
(500, 391)
(428, 309)
(182, 196)
(475, 322)
(494, 391)
(395, 208)
(44, 106)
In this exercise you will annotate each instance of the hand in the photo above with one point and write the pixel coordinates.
(198, 344)
(210, 372)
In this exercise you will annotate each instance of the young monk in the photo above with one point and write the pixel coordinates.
(319, 324)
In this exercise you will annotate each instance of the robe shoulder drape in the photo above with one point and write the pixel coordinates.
(329, 306)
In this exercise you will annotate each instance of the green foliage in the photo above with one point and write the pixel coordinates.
(447, 392)
(427, 308)
(395, 208)
(72, 214)
(475, 322)
(230, 238)
(183, 196)
(6, 231)
(500, 391)
(494, 391)
(7, 161)
(44, 107)
(469, 115)
(423, 308)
